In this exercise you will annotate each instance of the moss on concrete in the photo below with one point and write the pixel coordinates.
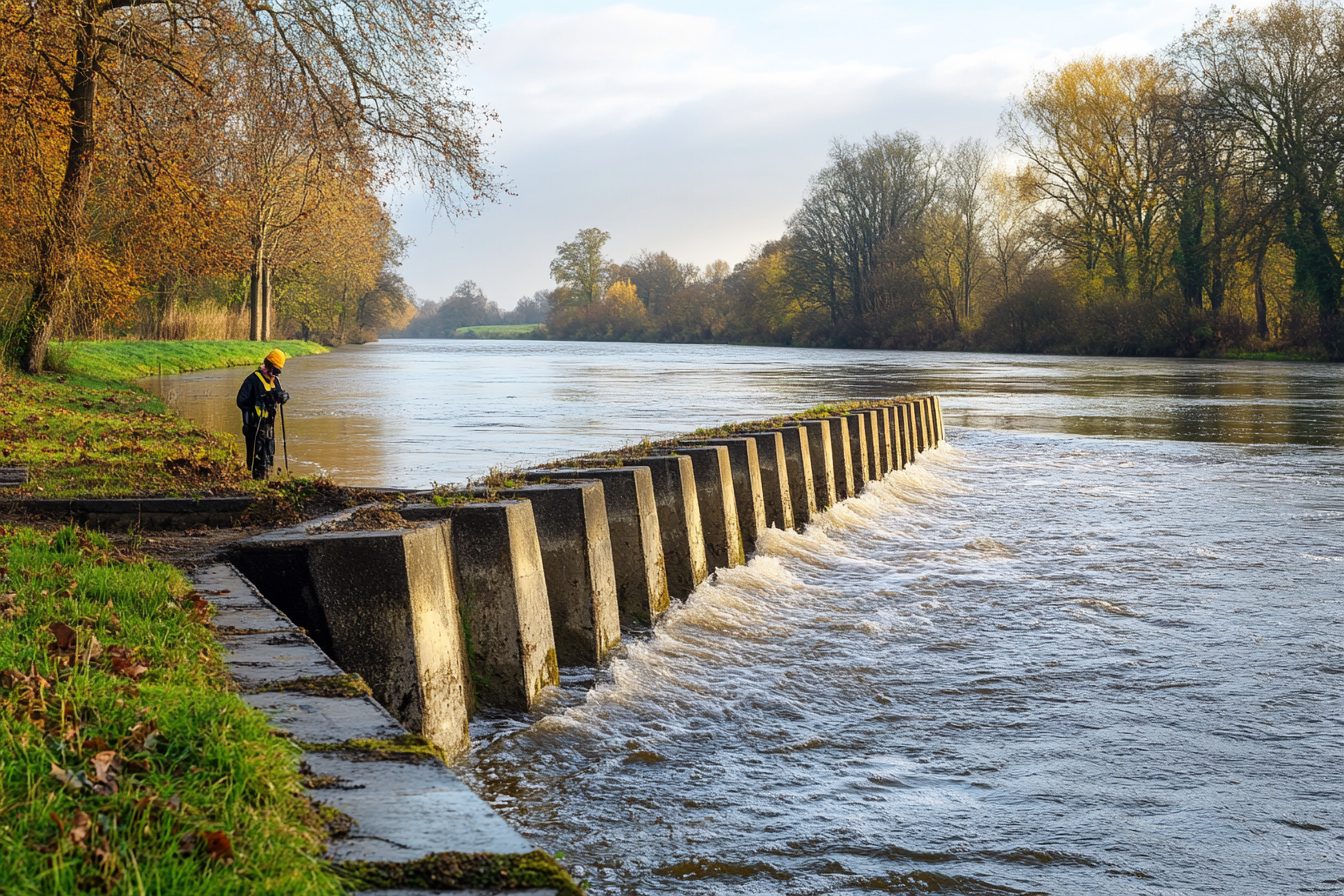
(464, 871)
(344, 685)
(404, 747)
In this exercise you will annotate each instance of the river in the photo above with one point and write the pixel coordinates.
(1093, 644)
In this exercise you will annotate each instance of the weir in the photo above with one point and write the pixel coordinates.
(477, 601)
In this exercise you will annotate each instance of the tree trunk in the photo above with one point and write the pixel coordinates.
(59, 243)
(1261, 309)
(266, 302)
(254, 295)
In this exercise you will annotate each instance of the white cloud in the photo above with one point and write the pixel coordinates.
(623, 66)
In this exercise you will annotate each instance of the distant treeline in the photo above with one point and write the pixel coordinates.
(1182, 203)
(468, 307)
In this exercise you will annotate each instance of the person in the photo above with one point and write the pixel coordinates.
(258, 399)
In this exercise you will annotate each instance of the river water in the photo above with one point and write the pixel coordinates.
(1093, 644)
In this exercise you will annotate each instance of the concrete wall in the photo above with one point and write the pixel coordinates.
(390, 610)
(571, 520)
(842, 459)
(502, 591)
(678, 522)
(823, 470)
(744, 461)
(774, 468)
(938, 419)
(887, 458)
(636, 541)
(859, 425)
(718, 506)
(905, 418)
(798, 465)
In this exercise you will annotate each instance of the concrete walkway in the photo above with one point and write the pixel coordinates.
(405, 807)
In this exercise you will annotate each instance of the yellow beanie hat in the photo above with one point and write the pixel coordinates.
(276, 359)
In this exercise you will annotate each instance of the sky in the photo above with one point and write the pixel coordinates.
(693, 127)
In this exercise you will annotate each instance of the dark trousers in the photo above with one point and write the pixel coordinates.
(260, 448)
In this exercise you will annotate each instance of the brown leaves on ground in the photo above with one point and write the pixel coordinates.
(218, 846)
(123, 662)
(9, 608)
(80, 831)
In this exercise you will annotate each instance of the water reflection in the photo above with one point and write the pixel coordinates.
(412, 412)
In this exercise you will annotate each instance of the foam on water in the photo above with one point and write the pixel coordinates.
(1024, 664)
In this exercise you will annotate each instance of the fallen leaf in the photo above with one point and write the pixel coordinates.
(79, 828)
(106, 765)
(73, 779)
(11, 678)
(128, 669)
(218, 846)
(187, 845)
(65, 635)
(92, 650)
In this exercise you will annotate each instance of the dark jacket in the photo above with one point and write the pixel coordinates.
(256, 399)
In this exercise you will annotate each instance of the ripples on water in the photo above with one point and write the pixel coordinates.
(1093, 646)
(1029, 663)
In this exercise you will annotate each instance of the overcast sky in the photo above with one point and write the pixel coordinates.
(693, 127)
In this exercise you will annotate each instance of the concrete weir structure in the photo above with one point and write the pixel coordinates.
(823, 467)
(384, 605)
(502, 588)
(478, 600)
(798, 464)
(842, 460)
(636, 539)
(717, 498)
(575, 537)
(744, 461)
(575, 545)
(678, 505)
(858, 449)
(773, 465)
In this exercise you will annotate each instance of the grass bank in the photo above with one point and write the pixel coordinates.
(126, 764)
(84, 437)
(88, 432)
(497, 331)
(124, 361)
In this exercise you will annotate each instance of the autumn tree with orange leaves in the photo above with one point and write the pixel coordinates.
(379, 77)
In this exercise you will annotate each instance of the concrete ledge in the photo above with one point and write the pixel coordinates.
(679, 524)
(718, 506)
(798, 464)
(502, 592)
(823, 469)
(744, 462)
(636, 540)
(143, 513)
(389, 612)
(774, 477)
(403, 810)
(571, 520)
(842, 459)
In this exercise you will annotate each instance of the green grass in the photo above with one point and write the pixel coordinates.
(130, 360)
(498, 331)
(197, 764)
(82, 437)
